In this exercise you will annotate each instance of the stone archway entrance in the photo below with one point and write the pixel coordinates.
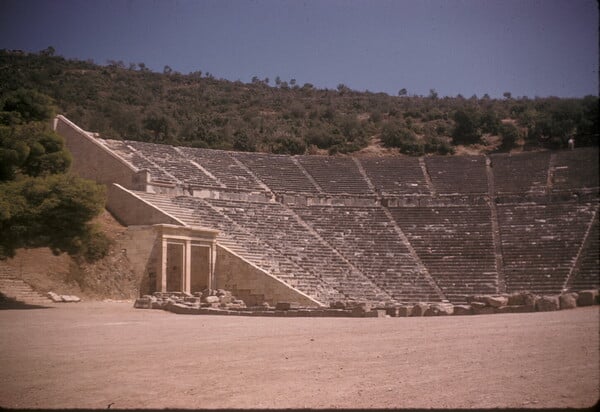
(187, 261)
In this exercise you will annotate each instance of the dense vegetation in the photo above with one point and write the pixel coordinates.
(199, 110)
(41, 204)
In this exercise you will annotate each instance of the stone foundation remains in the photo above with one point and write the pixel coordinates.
(222, 302)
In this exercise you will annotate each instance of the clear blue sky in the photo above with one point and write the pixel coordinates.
(528, 47)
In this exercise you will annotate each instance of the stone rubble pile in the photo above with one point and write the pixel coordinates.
(208, 298)
(518, 302)
(223, 302)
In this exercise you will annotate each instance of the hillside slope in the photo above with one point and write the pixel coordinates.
(108, 278)
(202, 111)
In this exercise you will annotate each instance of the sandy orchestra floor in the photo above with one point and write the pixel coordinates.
(96, 354)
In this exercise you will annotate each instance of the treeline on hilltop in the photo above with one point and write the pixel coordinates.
(196, 109)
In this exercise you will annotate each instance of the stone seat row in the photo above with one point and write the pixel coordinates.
(512, 173)
(360, 251)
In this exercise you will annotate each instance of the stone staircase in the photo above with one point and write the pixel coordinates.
(13, 289)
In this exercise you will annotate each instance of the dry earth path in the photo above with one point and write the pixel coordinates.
(96, 354)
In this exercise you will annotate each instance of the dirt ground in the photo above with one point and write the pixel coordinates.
(101, 354)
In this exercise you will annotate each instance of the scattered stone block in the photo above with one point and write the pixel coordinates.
(547, 304)
(439, 309)
(225, 299)
(568, 300)
(210, 299)
(419, 309)
(338, 305)
(54, 297)
(461, 310)
(476, 298)
(496, 301)
(521, 298)
(143, 303)
(587, 297)
(478, 305)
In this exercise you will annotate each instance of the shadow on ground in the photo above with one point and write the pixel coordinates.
(9, 303)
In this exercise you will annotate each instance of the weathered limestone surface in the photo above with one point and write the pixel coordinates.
(568, 300)
(547, 303)
(587, 297)
(440, 309)
(63, 298)
(521, 298)
(496, 301)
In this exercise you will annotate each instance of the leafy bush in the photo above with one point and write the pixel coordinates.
(288, 145)
(321, 138)
(242, 142)
(466, 129)
(509, 134)
(94, 245)
(396, 135)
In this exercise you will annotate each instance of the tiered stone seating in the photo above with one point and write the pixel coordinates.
(277, 227)
(137, 160)
(367, 238)
(587, 275)
(457, 174)
(222, 165)
(576, 169)
(540, 243)
(278, 172)
(521, 173)
(396, 175)
(336, 175)
(173, 163)
(455, 244)
(195, 211)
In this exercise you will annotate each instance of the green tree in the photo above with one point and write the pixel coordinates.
(40, 204)
(26, 105)
(242, 142)
(52, 211)
(466, 129)
(509, 134)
